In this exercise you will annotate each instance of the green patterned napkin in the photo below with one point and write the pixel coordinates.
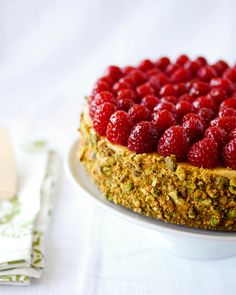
(23, 220)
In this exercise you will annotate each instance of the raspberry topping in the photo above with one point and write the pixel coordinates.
(178, 100)
(204, 153)
(229, 154)
(143, 138)
(118, 128)
(174, 141)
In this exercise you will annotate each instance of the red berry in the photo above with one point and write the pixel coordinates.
(162, 63)
(126, 93)
(219, 135)
(192, 66)
(174, 141)
(186, 97)
(220, 66)
(120, 85)
(194, 128)
(124, 104)
(104, 96)
(199, 89)
(228, 123)
(227, 112)
(232, 134)
(106, 79)
(172, 99)
(217, 94)
(204, 153)
(127, 69)
(165, 106)
(158, 81)
(201, 61)
(138, 113)
(182, 59)
(102, 117)
(150, 101)
(153, 72)
(183, 108)
(225, 84)
(167, 90)
(171, 68)
(143, 138)
(180, 89)
(100, 86)
(163, 119)
(145, 65)
(118, 128)
(137, 76)
(114, 73)
(180, 75)
(229, 154)
(205, 102)
(206, 114)
(129, 80)
(230, 74)
(206, 73)
(229, 103)
(144, 89)
(194, 117)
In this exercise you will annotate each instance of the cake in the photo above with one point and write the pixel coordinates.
(160, 139)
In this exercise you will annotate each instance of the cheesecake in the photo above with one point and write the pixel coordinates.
(160, 139)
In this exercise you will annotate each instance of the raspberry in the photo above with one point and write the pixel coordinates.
(137, 76)
(144, 89)
(167, 90)
(194, 128)
(127, 69)
(220, 66)
(145, 65)
(104, 96)
(129, 80)
(118, 128)
(232, 134)
(105, 79)
(162, 63)
(174, 141)
(102, 117)
(150, 101)
(205, 102)
(199, 89)
(230, 74)
(201, 61)
(170, 69)
(163, 119)
(227, 112)
(192, 66)
(219, 135)
(153, 72)
(206, 114)
(180, 75)
(229, 103)
(138, 113)
(206, 73)
(217, 94)
(124, 104)
(172, 99)
(183, 108)
(228, 123)
(181, 60)
(194, 117)
(143, 138)
(165, 106)
(229, 154)
(158, 81)
(224, 84)
(100, 86)
(186, 97)
(180, 89)
(126, 93)
(204, 153)
(114, 73)
(120, 85)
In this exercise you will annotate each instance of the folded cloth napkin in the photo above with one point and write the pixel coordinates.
(23, 220)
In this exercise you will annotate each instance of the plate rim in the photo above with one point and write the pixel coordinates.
(139, 219)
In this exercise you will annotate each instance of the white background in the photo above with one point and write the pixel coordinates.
(50, 54)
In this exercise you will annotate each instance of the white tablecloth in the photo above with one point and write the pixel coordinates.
(50, 54)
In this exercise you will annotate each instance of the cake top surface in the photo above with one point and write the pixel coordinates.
(185, 108)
